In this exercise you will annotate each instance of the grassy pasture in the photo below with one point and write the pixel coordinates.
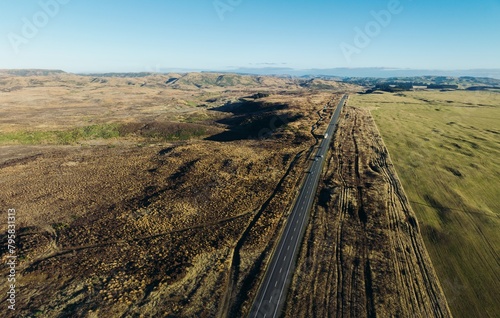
(26, 137)
(446, 149)
(162, 132)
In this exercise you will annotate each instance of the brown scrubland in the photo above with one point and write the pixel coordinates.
(149, 196)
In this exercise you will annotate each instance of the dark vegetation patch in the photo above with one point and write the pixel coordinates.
(493, 131)
(252, 120)
(99, 80)
(19, 161)
(171, 80)
(455, 172)
(325, 196)
(482, 88)
(248, 107)
(168, 131)
(435, 235)
(413, 222)
(443, 212)
(166, 151)
(258, 95)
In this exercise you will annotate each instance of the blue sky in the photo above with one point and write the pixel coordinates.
(147, 35)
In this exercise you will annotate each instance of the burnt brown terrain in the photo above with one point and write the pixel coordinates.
(363, 254)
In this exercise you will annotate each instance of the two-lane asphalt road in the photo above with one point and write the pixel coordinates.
(272, 292)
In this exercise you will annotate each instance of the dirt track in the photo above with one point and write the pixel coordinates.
(363, 255)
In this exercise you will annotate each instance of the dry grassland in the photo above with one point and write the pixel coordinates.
(147, 221)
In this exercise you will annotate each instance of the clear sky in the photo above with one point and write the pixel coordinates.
(146, 35)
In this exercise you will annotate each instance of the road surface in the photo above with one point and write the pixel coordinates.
(272, 292)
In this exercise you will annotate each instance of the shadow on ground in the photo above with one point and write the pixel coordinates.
(252, 120)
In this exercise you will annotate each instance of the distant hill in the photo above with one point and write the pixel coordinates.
(431, 82)
(328, 73)
(379, 72)
(16, 79)
(323, 84)
(206, 80)
(31, 72)
(121, 75)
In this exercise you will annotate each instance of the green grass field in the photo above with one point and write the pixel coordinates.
(100, 132)
(446, 149)
(67, 137)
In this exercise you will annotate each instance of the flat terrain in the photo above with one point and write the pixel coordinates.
(363, 255)
(446, 148)
(149, 196)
